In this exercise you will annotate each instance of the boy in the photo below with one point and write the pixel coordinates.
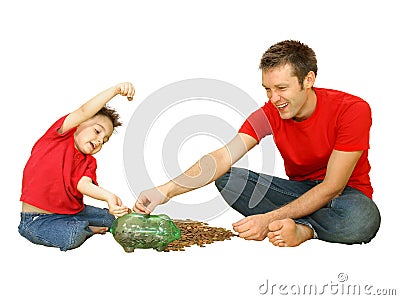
(61, 169)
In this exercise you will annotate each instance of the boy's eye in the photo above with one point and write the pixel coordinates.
(97, 132)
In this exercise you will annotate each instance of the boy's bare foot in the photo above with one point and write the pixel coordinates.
(100, 230)
(287, 233)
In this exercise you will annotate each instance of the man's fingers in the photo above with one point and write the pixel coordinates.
(140, 208)
(241, 226)
(240, 222)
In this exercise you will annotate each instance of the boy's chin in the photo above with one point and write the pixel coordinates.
(86, 149)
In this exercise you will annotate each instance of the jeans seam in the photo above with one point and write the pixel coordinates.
(272, 187)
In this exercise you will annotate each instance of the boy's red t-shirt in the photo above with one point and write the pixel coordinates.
(53, 170)
(340, 122)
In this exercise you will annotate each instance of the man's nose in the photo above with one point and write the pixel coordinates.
(275, 97)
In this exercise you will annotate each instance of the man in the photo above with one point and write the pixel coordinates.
(323, 137)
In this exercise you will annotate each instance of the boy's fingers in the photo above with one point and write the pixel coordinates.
(131, 92)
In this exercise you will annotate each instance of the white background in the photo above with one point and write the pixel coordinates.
(56, 55)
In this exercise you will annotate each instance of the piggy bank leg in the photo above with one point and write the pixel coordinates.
(129, 249)
(161, 247)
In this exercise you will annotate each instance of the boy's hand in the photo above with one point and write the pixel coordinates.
(116, 207)
(126, 89)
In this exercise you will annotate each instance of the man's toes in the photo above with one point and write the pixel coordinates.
(275, 238)
(275, 225)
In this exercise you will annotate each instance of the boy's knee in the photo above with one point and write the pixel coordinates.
(78, 235)
(108, 219)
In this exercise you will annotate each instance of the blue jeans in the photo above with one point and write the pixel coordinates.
(349, 219)
(63, 231)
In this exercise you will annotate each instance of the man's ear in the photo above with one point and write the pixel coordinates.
(309, 80)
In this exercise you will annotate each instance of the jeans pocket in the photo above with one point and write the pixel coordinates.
(331, 204)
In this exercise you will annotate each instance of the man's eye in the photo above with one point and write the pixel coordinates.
(97, 132)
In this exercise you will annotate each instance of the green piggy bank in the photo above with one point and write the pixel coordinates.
(139, 231)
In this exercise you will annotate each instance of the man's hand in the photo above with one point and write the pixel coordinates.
(148, 200)
(253, 227)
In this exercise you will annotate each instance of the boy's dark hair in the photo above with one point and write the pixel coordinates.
(111, 114)
(298, 55)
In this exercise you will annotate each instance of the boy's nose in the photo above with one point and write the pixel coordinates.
(98, 143)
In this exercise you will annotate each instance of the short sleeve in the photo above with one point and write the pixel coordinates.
(53, 130)
(91, 170)
(353, 128)
(257, 125)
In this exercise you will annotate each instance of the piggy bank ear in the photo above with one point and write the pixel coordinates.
(164, 217)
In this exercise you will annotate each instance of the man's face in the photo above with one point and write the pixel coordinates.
(284, 91)
(92, 134)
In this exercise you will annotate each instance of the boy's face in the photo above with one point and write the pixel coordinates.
(92, 134)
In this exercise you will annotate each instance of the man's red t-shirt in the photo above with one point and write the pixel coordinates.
(340, 122)
(53, 170)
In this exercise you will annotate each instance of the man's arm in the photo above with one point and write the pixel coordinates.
(91, 107)
(340, 167)
(209, 168)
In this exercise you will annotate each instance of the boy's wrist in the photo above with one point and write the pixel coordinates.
(115, 90)
(111, 198)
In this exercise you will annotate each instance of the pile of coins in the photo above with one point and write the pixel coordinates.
(197, 233)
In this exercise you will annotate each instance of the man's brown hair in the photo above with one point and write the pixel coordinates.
(299, 56)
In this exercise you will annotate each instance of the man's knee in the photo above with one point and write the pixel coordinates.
(357, 222)
(221, 182)
(367, 221)
(234, 179)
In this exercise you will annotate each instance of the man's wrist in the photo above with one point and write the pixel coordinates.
(275, 215)
(168, 189)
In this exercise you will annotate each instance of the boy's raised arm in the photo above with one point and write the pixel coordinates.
(90, 108)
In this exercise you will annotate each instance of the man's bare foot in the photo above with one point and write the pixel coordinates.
(287, 233)
(96, 230)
